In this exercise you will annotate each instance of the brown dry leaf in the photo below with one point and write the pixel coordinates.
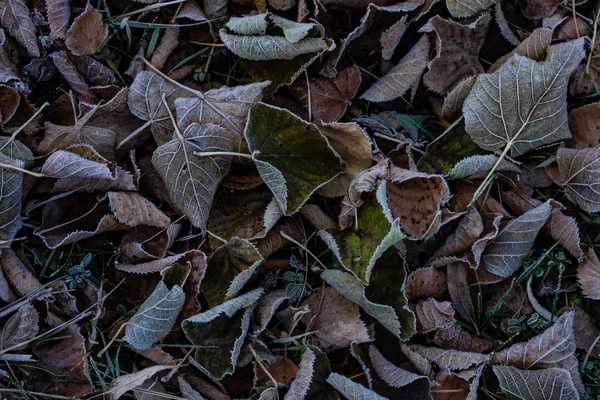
(534, 47)
(457, 51)
(584, 123)
(416, 198)
(458, 289)
(59, 12)
(538, 9)
(68, 70)
(63, 364)
(453, 103)
(148, 243)
(20, 328)
(283, 370)
(433, 315)
(390, 38)
(124, 383)
(60, 137)
(266, 308)
(584, 81)
(455, 337)
(329, 98)
(133, 209)
(448, 359)
(14, 17)
(282, 5)
(562, 228)
(578, 175)
(9, 103)
(505, 29)
(585, 331)
(389, 373)
(403, 77)
(168, 42)
(461, 241)
(94, 72)
(425, 283)
(338, 323)
(87, 32)
(589, 275)
(22, 279)
(353, 145)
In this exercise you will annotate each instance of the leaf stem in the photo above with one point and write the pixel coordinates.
(221, 153)
(14, 135)
(8, 166)
(137, 131)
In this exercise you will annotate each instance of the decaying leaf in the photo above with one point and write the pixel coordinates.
(425, 283)
(479, 165)
(433, 315)
(506, 252)
(453, 103)
(279, 151)
(392, 375)
(457, 52)
(20, 328)
(539, 117)
(224, 326)
(467, 8)
(449, 359)
(68, 70)
(168, 43)
(14, 17)
(87, 32)
(124, 383)
(191, 179)
(21, 278)
(584, 123)
(59, 12)
(404, 76)
(578, 171)
(390, 38)
(10, 199)
(589, 275)
(550, 384)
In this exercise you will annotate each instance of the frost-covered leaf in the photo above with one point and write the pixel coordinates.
(22, 278)
(87, 32)
(145, 102)
(225, 106)
(10, 200)
(390, 38)
(59, 12)
(522, 105)
(589, 275)
(352, 390)
(126, 382)
(280, 143)
(433, 315)
(301, 384)
(68, 70)
(404, 76)
(358, 250)
(157, 315)
(457, 51)
(353, 145)
(79, 161)
(449, 359)
(505, 254)
(584, 123)
(584, 81)
(168, 42)
(19, 328)
(480, 164)
(14, 17)
(60, 136)
(425, 283)
(220, 333)
(133, 209)
(229, 268)
(190, 179)
(453, 103)
(467, 8)
(547, 384)
(579, 172)
(392, 375)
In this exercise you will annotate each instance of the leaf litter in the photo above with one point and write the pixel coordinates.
(285, 199)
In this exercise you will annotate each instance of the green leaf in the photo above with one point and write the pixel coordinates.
(523, 105)
(157, 315)
(412, 123)
(281, 143)
(358, 249)
(220, 333)
(229, 268)
(192, 180)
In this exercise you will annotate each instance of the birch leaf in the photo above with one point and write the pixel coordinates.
(157, 315)
(358, 250)
(192, 180)
(404, 76)
(14, 17)
(522, 105)
(579, 174)
(87, 32)
(145, 102)
(301, 384)
(59, 12)
(352, 390)
(229, 268)
(20, 328)
(547, 384)
(280, 143)
(505, 254)
(220, 333)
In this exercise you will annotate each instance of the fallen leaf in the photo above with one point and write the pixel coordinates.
(190, 179)
(457, 52)
(283, 370)
(538, 9)
(453, 103)
(132, 209)
(59, 137)
(337, 320)
(10, 200)
(14, 17)
(542, 113)
(59, 12)
(584, 123)
(301, 384)
(278, 150)
(467, 8)
(550, 384)
(478, 165)
(68, 70)
(21, 278)
(78, 161)
(125, 383)
(449, 359)
(433, 315)
(352, 390)
(425, 283)
(390, 38)
(588, 274)
(586, 81)
(392, 375)
(168, 42)
(20, 328)
(505, 253)
(458, 289)
(577, 171)
(454, 336)
(87, 32)
(404, 76)
(224, 326)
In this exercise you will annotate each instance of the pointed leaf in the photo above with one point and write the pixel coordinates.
(87, 32)
(190, 179)
(578, 174)
(59, 12)
(352, 390)
(479, 164)
(280, 143)
(467, 8)
(124, 383)
(80, 161)
(589, 275)
(20, 328)
(392, 375)
(547, 384)
(301, 384)
(495, 121)
(14, 17)
(10, 200)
